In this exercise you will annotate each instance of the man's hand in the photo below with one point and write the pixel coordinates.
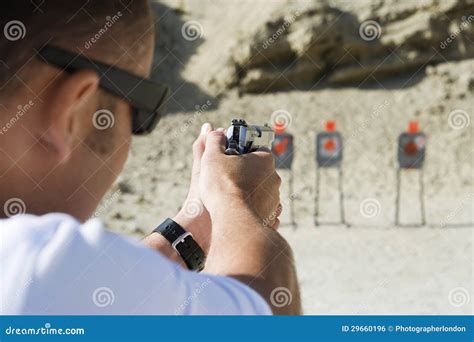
(193, 216)
(241, 197)
(241, 193)
(229, 181)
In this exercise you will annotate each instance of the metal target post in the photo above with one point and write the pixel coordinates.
(329, 155)
(411, 156)
(283, 150)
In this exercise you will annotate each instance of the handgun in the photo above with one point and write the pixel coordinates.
(244, 138)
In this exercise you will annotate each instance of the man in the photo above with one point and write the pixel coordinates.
(57, 161)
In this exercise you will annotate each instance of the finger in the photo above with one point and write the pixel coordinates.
(199, 146)
(263, 153)
(215, 143)
(263, 149)
(206, 128)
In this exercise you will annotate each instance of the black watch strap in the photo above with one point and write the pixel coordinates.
(182, 242)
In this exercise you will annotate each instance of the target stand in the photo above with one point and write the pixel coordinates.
(421, 199)
(329, 155)
(283, 150)
(411, 156)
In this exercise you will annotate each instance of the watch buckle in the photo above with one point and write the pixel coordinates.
(179, 240)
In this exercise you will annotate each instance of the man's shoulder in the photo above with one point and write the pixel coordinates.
(59, 233)
(33, 229)
(33, 223)
(56, 264)
(40, 230)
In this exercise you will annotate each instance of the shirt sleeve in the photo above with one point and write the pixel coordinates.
(82, 269)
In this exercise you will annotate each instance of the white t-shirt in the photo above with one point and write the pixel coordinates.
(54, 265)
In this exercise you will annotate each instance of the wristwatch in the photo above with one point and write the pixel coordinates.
(183, 243)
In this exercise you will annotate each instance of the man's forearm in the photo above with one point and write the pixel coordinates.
(159, 243)
(254, 254)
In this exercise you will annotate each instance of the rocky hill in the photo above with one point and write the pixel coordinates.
(307, 42)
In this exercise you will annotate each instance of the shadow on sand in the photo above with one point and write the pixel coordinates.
(172, 53)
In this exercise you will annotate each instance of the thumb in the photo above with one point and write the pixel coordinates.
(215, 143)
(199, 146)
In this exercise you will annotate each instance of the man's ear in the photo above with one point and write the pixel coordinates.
(67, 99)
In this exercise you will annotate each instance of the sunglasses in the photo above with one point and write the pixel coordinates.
(146, 97)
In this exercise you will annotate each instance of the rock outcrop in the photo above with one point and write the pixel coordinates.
(339, 43)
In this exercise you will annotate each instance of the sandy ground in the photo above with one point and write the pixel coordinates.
(372, 267)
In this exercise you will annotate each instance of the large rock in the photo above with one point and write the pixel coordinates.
(348, 43)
